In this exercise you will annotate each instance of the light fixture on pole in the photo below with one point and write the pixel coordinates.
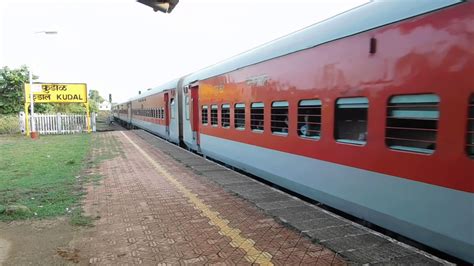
(165, 6)
(33, 132)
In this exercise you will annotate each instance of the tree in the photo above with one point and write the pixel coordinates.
(12, 95)
(12, 91)
(94, 100)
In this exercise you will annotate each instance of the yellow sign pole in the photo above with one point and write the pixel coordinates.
(27, 118)
(88, 118)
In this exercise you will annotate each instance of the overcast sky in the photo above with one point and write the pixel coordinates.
(121, 46)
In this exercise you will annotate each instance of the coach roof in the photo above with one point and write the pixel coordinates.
(368, 16)
(172, 84)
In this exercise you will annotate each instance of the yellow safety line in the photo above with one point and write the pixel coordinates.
(246, 244)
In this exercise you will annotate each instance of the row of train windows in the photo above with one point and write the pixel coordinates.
(412, 120)
(151, 112)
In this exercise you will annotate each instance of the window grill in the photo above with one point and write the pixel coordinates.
(351, 120)
(309, 118)
(280, 118)
(239, 116)
(204, 115)
(214, 115)
(412, 123)
(470, 129)
(163, 113)
(225, 115)
(256, 116)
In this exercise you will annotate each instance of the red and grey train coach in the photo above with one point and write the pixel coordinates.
(370, 112)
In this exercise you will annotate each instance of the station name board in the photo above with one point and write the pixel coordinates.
(57, 93)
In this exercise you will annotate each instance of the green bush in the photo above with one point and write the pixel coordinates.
(9, 124)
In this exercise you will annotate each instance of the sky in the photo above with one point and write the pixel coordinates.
(122, 47)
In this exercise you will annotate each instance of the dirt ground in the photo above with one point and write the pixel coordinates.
(35, 242)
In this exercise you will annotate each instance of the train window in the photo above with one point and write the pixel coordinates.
(351, 120)
(213, 115)
(412, 122)
(309, 119)
(186, 107)
(470, 129)
(163, 113)
(280, 118)
(225, 115)
(204, 115)
(256, 116)
(239, 116)
(172, 108)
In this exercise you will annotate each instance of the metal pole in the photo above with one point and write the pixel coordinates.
(32, 105)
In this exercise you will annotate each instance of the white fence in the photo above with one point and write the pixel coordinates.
(60, 123)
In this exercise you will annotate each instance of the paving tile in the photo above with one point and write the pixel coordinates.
(355, 242)
(386, 252)
(326, 233)
(146, 218)
(274, 205)
(415, 259)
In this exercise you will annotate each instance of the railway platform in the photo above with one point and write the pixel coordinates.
(160, 204)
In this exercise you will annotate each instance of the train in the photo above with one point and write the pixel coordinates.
(370, 112)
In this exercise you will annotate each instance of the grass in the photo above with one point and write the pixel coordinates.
(41, 174)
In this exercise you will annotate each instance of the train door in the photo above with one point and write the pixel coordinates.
(191, 117)
(129, 113)
(173, 118)
(166, 116)
(194, 110)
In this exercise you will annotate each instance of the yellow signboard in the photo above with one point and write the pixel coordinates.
(57, 93)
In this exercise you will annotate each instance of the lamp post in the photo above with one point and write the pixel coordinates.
(33, 132)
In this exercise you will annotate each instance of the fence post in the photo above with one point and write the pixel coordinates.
(93, 122)
(58, 121)
(22, 122)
